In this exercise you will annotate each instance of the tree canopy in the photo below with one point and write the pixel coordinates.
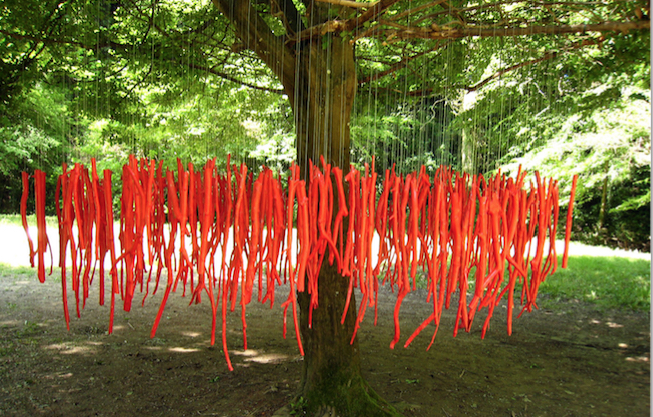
(472, 85)
(436, 80)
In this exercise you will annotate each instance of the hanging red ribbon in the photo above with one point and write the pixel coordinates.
(242, 229)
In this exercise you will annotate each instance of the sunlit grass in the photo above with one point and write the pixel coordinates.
(14, 219)
(17, 272)
(610, 281)
(26, 273)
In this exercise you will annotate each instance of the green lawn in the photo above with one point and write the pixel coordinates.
(31, 220)
(610, 281)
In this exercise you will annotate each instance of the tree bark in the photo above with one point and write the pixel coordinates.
(323, 101)
(468, 152)
(331, 377)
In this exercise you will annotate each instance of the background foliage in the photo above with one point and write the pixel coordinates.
(168, 80)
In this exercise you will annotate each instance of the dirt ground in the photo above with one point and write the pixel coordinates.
(567, 359)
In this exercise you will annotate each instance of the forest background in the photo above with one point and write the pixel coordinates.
(169, 79)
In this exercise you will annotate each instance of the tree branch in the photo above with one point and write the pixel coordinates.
(348, 3)
(485, 6)
(228, 77)
(417, 9)
(547, 56)
(416, 93)
(482, 83)
(399, 65)
(182, 39)
(375, 10)
(136, 84)
(290, 16)
(258, 37)
(438, 32)
(372, 13)
(48, 41)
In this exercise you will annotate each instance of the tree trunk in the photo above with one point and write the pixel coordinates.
(470, 141)
(604, 198)
(331, 381)
(468, 151)
(319, 77)
(324, 93)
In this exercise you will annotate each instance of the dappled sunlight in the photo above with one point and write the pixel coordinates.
(610, 324)
(53, 377)
(153, 348)
(246, 353)
(180, 349)
(253, 355)
(191, 334)
(66, 349)
(241, 365)
(643, 359)
(269, 358)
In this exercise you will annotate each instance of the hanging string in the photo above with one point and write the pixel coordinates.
(403, 109)
(153, 71)
(444, 128)
(489, 129)
(343, 95)
(390, 109)
(403, 114)
(98, 65)
(296, 111)
(424, 140)
(327, 129)
(375, 86)
(310, 45)
(501, 88)
(370, 133)
(277, 154)
(511, 106)
(131, 116)
(448, 151)
(472, 132)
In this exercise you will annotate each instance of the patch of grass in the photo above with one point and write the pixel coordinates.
(30, 328)
(21, 273)
(297, 406)
(15, 219)
(610, 281)
(617, 282)
(17, 272)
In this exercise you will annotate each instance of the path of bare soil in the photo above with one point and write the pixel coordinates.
(567, 359)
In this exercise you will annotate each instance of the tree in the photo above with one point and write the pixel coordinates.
(316, 68)
(320, 52)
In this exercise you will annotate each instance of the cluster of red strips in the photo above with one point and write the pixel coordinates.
(241, 233)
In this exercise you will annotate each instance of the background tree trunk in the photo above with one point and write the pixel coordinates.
(468, 151)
